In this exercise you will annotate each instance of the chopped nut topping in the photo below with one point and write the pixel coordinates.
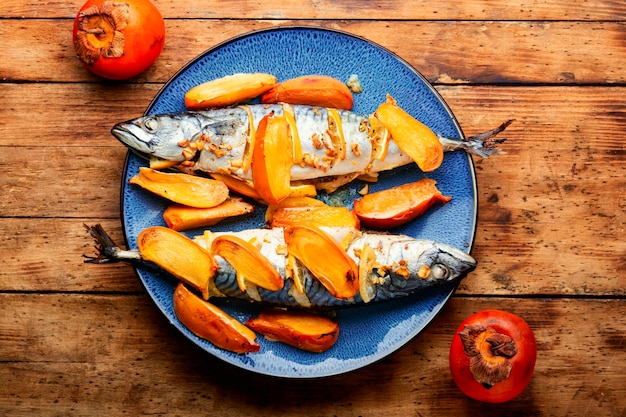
(402, 269)
(317, 141)
(423, 272)
(216, 150)
(188, 153)
(281, 250)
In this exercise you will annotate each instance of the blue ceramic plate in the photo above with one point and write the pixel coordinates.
(367, 333)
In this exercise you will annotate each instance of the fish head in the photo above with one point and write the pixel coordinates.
(157, 135)
(412, 264)
(446, 263)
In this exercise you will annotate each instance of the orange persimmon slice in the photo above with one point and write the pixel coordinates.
(248, 262)
(179, 217)
(178, 255)
(395, 206)
(317, 216)
(325, 258)
(237, 185)
(186, 189)
(300, 329)
(209, 322)
(313, 90)
(412, 136)
(300, 201)
(272, 159)
(228, 90)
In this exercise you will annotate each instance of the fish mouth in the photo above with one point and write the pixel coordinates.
(122, 133)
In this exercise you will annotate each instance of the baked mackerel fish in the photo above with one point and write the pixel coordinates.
(330, 143)
(389, 267)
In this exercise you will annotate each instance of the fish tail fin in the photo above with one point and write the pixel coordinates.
(107, 250)
(483, 145)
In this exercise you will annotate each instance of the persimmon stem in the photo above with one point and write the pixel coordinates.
(489, 353)
(502, 346)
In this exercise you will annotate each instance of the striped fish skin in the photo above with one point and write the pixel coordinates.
(446, 265)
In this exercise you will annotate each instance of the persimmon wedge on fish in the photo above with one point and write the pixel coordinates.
(272, 159)
(413, 137)
(179, 256)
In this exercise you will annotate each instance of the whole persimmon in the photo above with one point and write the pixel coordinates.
(118, 40)
(493, 355)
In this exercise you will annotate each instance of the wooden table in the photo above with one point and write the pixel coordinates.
(551, 243)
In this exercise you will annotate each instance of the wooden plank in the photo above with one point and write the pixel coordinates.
(77, 115)
(57, 264)
(119, 353)
(352, 9)
(62, 182)
(445, 52)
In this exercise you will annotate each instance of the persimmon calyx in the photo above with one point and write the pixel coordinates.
(489, 353)
(100, 31)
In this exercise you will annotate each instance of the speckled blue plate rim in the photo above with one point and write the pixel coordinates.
(307, 370)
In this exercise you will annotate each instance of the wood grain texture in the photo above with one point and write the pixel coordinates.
(352, 9)
(47, 255)
(553, 207)
(113, 355)
(457, 52)
(59, 195)
(85, 340)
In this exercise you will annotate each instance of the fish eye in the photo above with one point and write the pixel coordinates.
(151, 124)
(440, 271)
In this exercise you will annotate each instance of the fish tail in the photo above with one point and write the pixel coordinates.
(107, 250)
(483, 145)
